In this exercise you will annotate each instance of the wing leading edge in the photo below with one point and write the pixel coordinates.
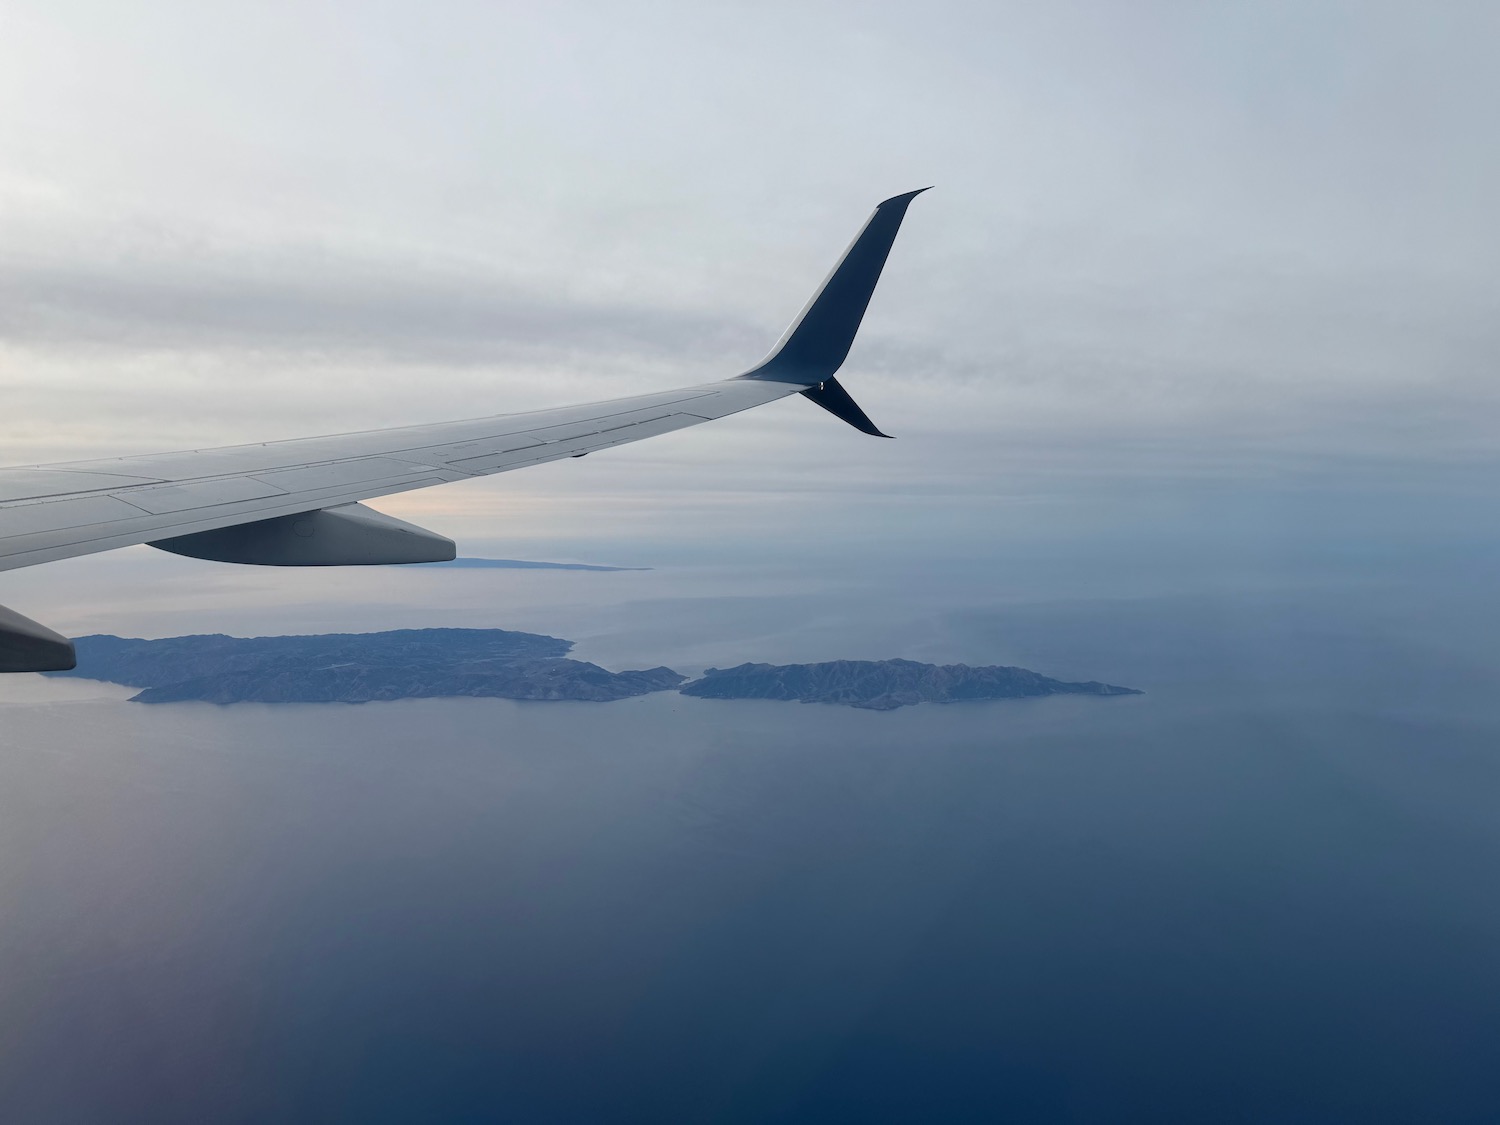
(296, 503)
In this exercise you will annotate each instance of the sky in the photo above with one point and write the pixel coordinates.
(1191, 273)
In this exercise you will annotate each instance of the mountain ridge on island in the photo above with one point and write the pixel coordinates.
(505, 664)
(884, 685)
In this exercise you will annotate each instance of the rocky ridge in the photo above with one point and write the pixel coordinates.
(884, 685)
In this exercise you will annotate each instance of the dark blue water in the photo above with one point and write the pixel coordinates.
(1265, 891)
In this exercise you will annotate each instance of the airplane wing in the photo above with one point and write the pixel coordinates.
(297, 503)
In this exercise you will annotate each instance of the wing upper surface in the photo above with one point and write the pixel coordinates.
(50, 512)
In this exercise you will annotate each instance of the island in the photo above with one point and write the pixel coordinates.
(884, 685)
(357, 668)
(503, 664)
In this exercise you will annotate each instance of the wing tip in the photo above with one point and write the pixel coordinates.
(904, 197)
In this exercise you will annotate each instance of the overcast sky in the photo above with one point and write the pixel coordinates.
(1192, 257)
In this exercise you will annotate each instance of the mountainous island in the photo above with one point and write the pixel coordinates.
(499, 663)
(884, 685)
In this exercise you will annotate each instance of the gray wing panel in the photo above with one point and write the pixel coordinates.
(50, 512)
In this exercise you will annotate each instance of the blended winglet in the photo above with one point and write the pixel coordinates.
(815, 346)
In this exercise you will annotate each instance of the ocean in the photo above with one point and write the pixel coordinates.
(1263, 891)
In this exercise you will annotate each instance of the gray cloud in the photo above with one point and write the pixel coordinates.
(373, 311)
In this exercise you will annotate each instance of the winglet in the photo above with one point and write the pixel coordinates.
(815, 346)
(832, 397)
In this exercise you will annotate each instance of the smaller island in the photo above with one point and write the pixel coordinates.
(502, 664)
(884, 685)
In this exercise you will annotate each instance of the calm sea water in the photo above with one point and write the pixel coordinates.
(1265, 891)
